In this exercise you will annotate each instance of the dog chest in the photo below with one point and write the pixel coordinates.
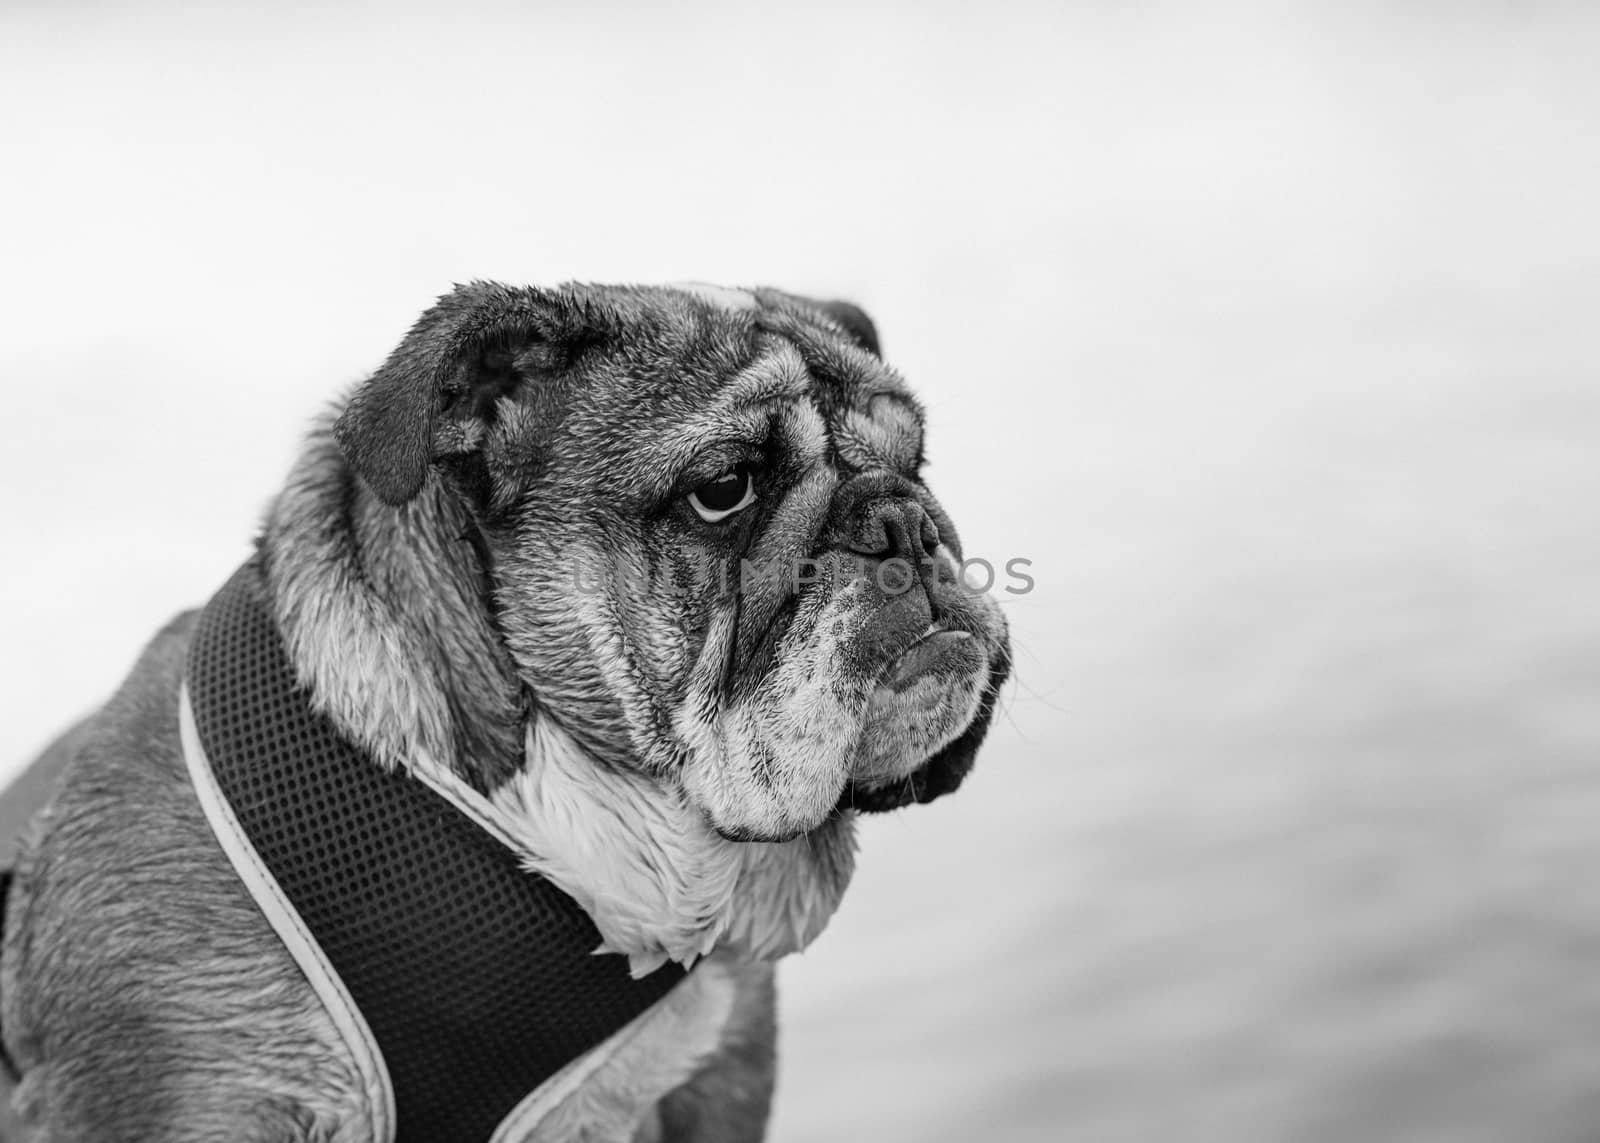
(461, 981)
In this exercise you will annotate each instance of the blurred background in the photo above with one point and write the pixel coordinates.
(1268, 333)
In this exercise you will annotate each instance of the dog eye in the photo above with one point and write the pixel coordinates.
(731, 492)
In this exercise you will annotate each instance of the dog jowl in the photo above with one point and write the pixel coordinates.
(597, 436)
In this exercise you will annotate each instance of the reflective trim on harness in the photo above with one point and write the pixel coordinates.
(291, 929)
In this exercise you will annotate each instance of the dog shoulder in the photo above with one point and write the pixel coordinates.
(729, 1096)
(139, 984)
(697, 1068)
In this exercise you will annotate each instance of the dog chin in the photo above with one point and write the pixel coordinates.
(926, 699)
(757, 817)
(910, 718)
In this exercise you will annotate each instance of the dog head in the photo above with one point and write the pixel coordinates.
(708, 547)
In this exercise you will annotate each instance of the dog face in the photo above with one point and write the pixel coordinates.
(709, 548)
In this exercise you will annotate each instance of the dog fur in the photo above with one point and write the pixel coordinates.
(485, 570)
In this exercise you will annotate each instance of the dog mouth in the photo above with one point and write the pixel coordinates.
(839, 698)
(946, 768)
(939, 650)
(927, 696)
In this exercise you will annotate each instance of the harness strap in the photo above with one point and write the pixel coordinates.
(474, 980)
(7, 1064)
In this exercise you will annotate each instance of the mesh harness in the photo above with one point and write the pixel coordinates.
(477, 979)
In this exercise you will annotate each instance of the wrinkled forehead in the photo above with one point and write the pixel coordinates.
(710, 367)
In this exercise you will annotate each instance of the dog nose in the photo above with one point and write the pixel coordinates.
(890, 528)
(879, 522)
(877, 516)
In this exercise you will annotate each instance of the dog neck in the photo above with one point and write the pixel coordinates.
(382, 615)
(657, 881)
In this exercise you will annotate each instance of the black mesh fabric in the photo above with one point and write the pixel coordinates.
(477, 978)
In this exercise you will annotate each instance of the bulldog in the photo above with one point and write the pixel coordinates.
(637, 592)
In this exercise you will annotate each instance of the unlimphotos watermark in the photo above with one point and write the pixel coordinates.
(893, 576)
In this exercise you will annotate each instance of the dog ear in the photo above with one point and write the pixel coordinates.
(459, 358)
(856, 323)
